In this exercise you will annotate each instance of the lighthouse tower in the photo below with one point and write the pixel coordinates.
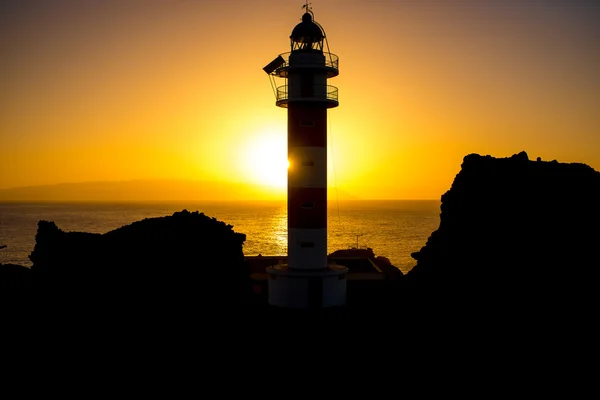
(307, 280)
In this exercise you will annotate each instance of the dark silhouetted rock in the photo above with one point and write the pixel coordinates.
(160, 267)
(515, 236)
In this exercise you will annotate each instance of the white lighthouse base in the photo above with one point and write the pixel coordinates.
(304, 289)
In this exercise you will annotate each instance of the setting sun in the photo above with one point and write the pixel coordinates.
(266, 160)
(176, 90)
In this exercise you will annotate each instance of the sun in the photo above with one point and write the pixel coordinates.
(266, 159)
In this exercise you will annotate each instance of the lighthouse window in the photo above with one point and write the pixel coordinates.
(307, 124)
(308, 204)
(308, 163)
(307, 244)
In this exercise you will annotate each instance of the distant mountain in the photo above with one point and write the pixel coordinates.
(151, 190)
(139, 190)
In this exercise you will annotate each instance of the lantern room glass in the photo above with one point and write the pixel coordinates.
(306, 44)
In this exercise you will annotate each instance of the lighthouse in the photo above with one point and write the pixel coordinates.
(300, 81)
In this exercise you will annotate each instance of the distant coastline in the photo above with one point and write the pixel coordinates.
(132, 190)
(159, 190)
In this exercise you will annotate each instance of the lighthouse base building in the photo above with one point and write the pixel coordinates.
(307, 289)
(306, 280)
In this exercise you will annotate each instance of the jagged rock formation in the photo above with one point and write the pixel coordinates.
(514, 233)
(163, 265)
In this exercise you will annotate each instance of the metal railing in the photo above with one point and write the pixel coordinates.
(318, 93)
(331, 61)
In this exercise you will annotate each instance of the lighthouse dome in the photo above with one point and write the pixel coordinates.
(307, 31)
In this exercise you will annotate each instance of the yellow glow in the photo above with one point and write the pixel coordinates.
(120, 93)
(266, 160)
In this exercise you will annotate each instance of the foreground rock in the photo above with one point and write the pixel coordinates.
(515, 236)
(157, 266)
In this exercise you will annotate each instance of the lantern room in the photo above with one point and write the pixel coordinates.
(307, 35)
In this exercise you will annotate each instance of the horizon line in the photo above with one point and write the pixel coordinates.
(115, 201)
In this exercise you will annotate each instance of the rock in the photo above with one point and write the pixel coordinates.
(165, 266)
(514, 234)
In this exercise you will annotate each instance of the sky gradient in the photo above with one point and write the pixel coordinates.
(120, 90)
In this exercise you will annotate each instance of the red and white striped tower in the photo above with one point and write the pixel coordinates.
(306, 281)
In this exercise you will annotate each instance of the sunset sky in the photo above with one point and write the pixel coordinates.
(102, 90)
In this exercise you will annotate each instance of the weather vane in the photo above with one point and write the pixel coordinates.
(308, 9)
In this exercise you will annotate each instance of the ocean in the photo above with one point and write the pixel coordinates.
(392, 228)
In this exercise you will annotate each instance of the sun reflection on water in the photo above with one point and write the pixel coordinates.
(392, 229)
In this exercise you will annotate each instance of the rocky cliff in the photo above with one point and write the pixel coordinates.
(514, 234)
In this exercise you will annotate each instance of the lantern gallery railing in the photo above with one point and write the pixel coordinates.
(281, 65)
(315, 93)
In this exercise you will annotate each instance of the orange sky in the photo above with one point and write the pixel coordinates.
(119, 90)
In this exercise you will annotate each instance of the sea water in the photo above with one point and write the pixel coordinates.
(392, 228)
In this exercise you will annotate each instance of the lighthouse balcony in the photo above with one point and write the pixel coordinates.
(327, 94)
(310, 60)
